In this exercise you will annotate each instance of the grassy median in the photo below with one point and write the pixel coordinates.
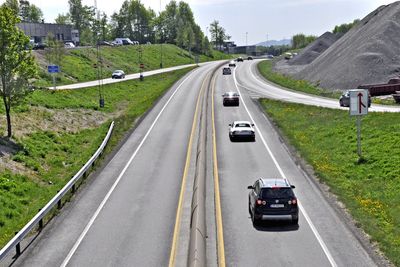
(326, 139)
(56, 132)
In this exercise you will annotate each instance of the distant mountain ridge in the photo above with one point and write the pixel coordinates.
(275, 42)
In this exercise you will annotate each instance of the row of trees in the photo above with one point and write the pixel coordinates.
(174, 25)
(26, 11)
(301, 40)
(345, 27)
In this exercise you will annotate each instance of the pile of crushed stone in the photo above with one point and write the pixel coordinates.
(313, 50)
(367, 54)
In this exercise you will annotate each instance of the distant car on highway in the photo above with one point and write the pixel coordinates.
(273, 199)
(232, 63)
(249, 58)
(239, 59)
(226, 71)
(344, 100)
(230, 99)
(242, 130)
(118, 74)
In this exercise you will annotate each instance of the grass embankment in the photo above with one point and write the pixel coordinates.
(57, 132)
(79, 64)
(327, 139)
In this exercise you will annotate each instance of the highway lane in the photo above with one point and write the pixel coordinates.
(126, 215)
(321, 239)
(249, 78)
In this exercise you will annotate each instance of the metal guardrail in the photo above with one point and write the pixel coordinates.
(56, 200)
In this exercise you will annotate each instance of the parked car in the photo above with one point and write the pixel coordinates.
(344, 100)
(105, 43)
(232, 63)
(270, 56)
(118, 74)
(249, 58)
(39, 46)
(288, 55)
(230, 98)
(69, 45)
(273, 199)
(226, 71)
(239, 59)
(123, 41)
(242, 130)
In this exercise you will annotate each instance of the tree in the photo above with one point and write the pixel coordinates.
(63, 19)
(83, 18)
(300, 40)
(56, 52)
(218, 34)
(13, 5)
(343, 28)
(30, 13)
(17, 64)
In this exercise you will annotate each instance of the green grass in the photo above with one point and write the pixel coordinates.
(52, 157)
(265, 68)
(326, 139)
(79, 64)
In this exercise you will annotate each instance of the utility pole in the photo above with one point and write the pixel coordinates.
(99, 59)
(161, 41)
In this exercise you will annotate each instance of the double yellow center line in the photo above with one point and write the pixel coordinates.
(218, 213)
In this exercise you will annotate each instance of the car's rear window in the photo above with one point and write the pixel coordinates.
(279, 192)
(242, 125)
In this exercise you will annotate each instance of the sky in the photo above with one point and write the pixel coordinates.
(249, 21)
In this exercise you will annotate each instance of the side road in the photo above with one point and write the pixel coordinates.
(127, 77)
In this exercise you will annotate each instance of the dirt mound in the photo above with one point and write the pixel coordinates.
(313, 50)
(369, 53)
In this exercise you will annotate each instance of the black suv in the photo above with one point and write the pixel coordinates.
(273, 199)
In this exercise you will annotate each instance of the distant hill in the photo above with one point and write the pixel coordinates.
(275, 42)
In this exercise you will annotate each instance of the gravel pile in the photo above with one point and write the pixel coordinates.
(313, 50)
(369, 53)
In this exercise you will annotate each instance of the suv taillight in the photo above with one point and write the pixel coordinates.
(261, 202)
(293, 202)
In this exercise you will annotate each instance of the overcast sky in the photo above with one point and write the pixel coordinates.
(276, 18)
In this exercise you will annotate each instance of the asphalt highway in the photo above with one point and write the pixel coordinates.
(135, 212)
(321, 239)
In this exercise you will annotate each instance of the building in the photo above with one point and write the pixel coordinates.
(247, 50)
(38, 32)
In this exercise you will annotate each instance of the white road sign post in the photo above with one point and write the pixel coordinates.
(358, 107)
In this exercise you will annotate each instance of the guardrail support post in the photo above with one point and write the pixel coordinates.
(17, 248)
(73, 189)
(59, 202)
(40, 223)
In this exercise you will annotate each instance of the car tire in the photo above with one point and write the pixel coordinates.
(295, 220)
(249, 207)
(255, 221)
(341, 103)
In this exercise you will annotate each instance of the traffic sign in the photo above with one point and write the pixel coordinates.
(53, 69)
(358, 102)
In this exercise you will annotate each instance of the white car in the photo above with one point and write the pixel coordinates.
(69, 45)
(242, 130)
(232, 63)
(118, 74)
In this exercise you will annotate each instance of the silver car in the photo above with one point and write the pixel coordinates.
(242, 130)
(118, 74)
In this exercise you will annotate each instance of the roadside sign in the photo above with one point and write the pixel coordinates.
(53, 69)
(358, 102)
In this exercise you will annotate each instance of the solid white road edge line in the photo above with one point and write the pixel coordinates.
(102, 204)
(310, 223)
